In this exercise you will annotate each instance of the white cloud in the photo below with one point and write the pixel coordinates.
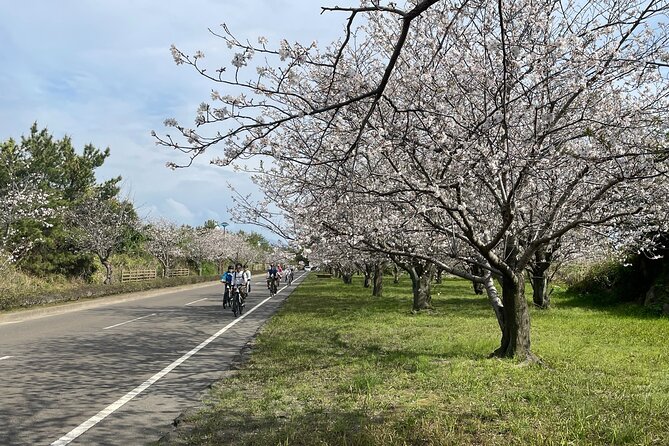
(179, 209)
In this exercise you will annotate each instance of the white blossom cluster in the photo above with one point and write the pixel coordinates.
(21, 199)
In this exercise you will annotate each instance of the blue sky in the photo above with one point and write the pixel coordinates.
(101, 72)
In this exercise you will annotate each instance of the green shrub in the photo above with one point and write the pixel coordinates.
(612, 281)
(600, 277)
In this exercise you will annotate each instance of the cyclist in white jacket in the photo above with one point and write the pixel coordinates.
(239, 279)
(247, 276)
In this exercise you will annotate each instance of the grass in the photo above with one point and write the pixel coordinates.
(338, 367)
(19, 291)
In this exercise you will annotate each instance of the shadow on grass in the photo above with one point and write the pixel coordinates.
(603, 302)
(330, 297)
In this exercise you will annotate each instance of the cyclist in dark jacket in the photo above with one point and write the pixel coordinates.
(226, 280)
(273, 273)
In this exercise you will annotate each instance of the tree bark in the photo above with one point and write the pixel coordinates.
(368, 275)
(421, 278)
(495, 301)
(540, 294)
(478, 287)
(108, 271)
(516, 331)
(347, 278)
(543, 258)
(396, 274)
(377, 290)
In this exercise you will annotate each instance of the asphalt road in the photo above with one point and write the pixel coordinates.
(118, 373)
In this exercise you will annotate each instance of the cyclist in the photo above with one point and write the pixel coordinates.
(226, 280)
(273, 273)
(290, 275)
(238, 280)
(247, 276)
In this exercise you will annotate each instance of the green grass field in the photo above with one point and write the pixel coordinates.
(339, 367)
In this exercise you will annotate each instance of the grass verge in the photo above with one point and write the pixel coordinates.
(338, 367)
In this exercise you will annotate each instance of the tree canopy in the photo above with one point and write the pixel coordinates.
(471, 135)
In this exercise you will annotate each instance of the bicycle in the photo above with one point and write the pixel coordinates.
(272, 287)
(237, 301)
(226, 295)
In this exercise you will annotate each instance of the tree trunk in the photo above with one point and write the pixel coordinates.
(347, 278)
(421, 278)
(377, 290)
(440, 273)
(495, 301)
(108, 271)
(516, 332)
(540, 294)
(368, 275)
(539, 268)
(396, 274)
(478, 287)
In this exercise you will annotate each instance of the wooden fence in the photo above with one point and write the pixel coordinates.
(138, 275)
(178, 272)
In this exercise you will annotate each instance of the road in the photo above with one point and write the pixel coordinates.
(118, 373)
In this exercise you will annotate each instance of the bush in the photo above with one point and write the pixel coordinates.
(600, 277)
(18, 298)
(612, 281)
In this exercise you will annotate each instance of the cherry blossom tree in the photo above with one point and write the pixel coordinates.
(20, 200)
(200, 245)
(101, 226)
(164, 242)
(494, 129)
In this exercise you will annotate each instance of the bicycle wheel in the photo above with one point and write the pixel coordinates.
(240, 306)
(235, 304)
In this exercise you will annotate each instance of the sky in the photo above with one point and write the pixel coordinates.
(102, 73)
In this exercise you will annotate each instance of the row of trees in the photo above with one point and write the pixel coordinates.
(57, 219)
(482, 139)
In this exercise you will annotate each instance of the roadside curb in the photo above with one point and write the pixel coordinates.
(67, 307)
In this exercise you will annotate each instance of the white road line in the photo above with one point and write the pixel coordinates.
(196, 301)
(113, 407)
(127, 322)
(5, 357)
(10, 322)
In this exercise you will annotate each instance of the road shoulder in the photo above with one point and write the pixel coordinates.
(67, 307)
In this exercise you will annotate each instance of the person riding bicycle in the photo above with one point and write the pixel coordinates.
(226, 280)
(273, 273)
(247, 275)
(239, 280)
